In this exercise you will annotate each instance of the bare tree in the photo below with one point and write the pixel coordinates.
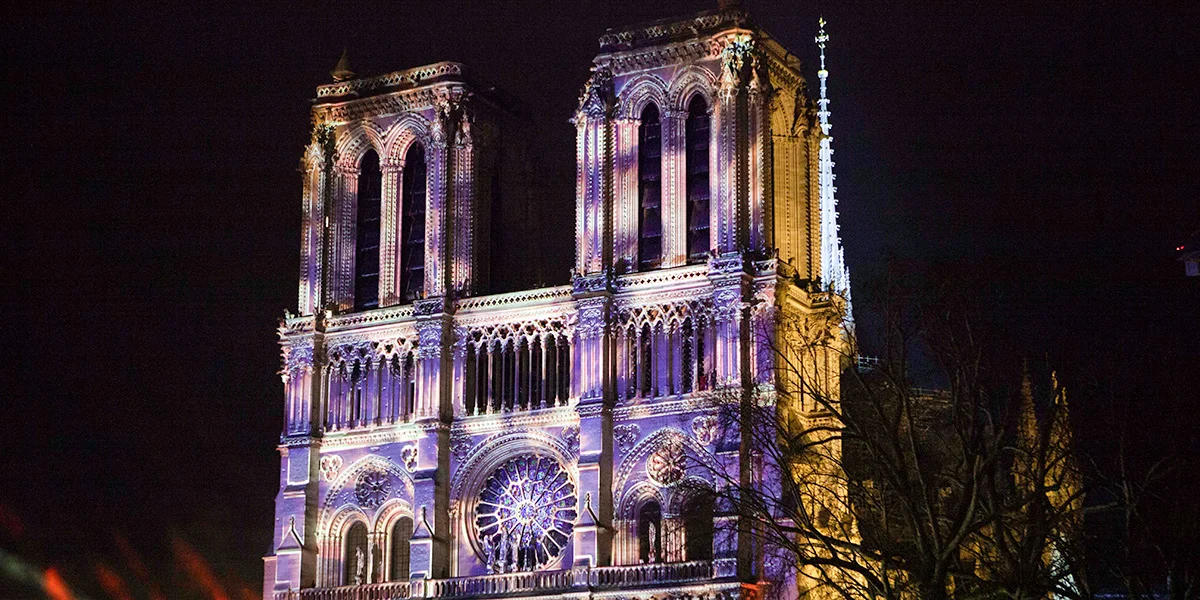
(865, 486)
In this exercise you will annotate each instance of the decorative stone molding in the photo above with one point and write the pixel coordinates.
(372, 488)
(330, 466)
(411, 77)
(408, 456)
(658, 33)
(570, 439)
(706, 429)
(626, 435)
(460, 445)
(596, 100)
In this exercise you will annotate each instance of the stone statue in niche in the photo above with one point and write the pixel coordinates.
(652, 535)
(489, 553)
(360, 566)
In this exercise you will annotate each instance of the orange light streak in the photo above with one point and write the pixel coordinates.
(56, 588)
(112, 583)
(198, 569)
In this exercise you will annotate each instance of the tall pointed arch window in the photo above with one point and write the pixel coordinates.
(649, 532)
(401, 533)
(412, 225)
(355, 558)
(698, 527)
(697, 141)
(366, 254)
(649, 189)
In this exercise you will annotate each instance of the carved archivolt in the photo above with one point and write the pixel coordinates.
(671, 449)
(335, 509)
(401, 134)
(353, 142)
(693, 80)
(640, 91)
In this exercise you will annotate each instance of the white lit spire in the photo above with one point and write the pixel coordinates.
(833, 263)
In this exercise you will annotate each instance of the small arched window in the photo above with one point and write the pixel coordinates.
(412, 225)
(697, 140)
(649, 190)
(649, 528)
(646, 361)
(401, 534)
(366, 255)
(355, 559)
(698, 527)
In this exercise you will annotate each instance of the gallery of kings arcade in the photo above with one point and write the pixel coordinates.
(445, 436)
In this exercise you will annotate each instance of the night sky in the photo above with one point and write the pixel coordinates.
(150, 229)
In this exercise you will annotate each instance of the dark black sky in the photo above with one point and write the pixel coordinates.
(150, 223)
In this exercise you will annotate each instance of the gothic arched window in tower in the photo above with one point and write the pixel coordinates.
(697, 141)
(646, 364)
(649, 531)
(401, 533)
(698, 527)
(412, 225)
(649, 190)
(366, 255)
(355, 556)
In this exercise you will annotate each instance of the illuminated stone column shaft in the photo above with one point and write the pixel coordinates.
(674, 187)
(626, 212)
(437, 218)
(341, 268)
(461, 249)
(389, 233)
(594, 193)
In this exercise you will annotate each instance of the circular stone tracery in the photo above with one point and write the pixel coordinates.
(372, 488)
(526, 514)
(667, 464)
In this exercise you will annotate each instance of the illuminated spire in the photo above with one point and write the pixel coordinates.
(833, 262)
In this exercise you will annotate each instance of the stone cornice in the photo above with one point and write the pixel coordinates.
(669, 30)
(685, 405)
(408, 78)
(384, 104)
(544, 417)
(375, 436)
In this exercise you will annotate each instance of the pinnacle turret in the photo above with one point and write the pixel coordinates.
(342, 71)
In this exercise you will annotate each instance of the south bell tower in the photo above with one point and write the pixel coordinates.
(445, 440)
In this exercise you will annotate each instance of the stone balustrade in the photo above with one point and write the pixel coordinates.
(653, 574)
(522, 583)
(393, 590)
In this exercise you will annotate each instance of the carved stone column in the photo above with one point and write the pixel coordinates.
(759, 164)
(389, 233)
(438, 203)
(341, 267)
(731, 142)
(595, 378)
(593, 184)
(461, 248)
(674, 187)
(626, 206)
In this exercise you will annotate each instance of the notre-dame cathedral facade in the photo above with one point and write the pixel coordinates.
(444, 440)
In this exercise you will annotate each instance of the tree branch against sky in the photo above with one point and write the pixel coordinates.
(889, 490)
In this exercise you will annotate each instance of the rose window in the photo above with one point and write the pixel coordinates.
(526, 514)
(666, 464)
(372, 488)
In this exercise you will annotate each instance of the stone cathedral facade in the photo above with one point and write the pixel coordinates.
(444, 440)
